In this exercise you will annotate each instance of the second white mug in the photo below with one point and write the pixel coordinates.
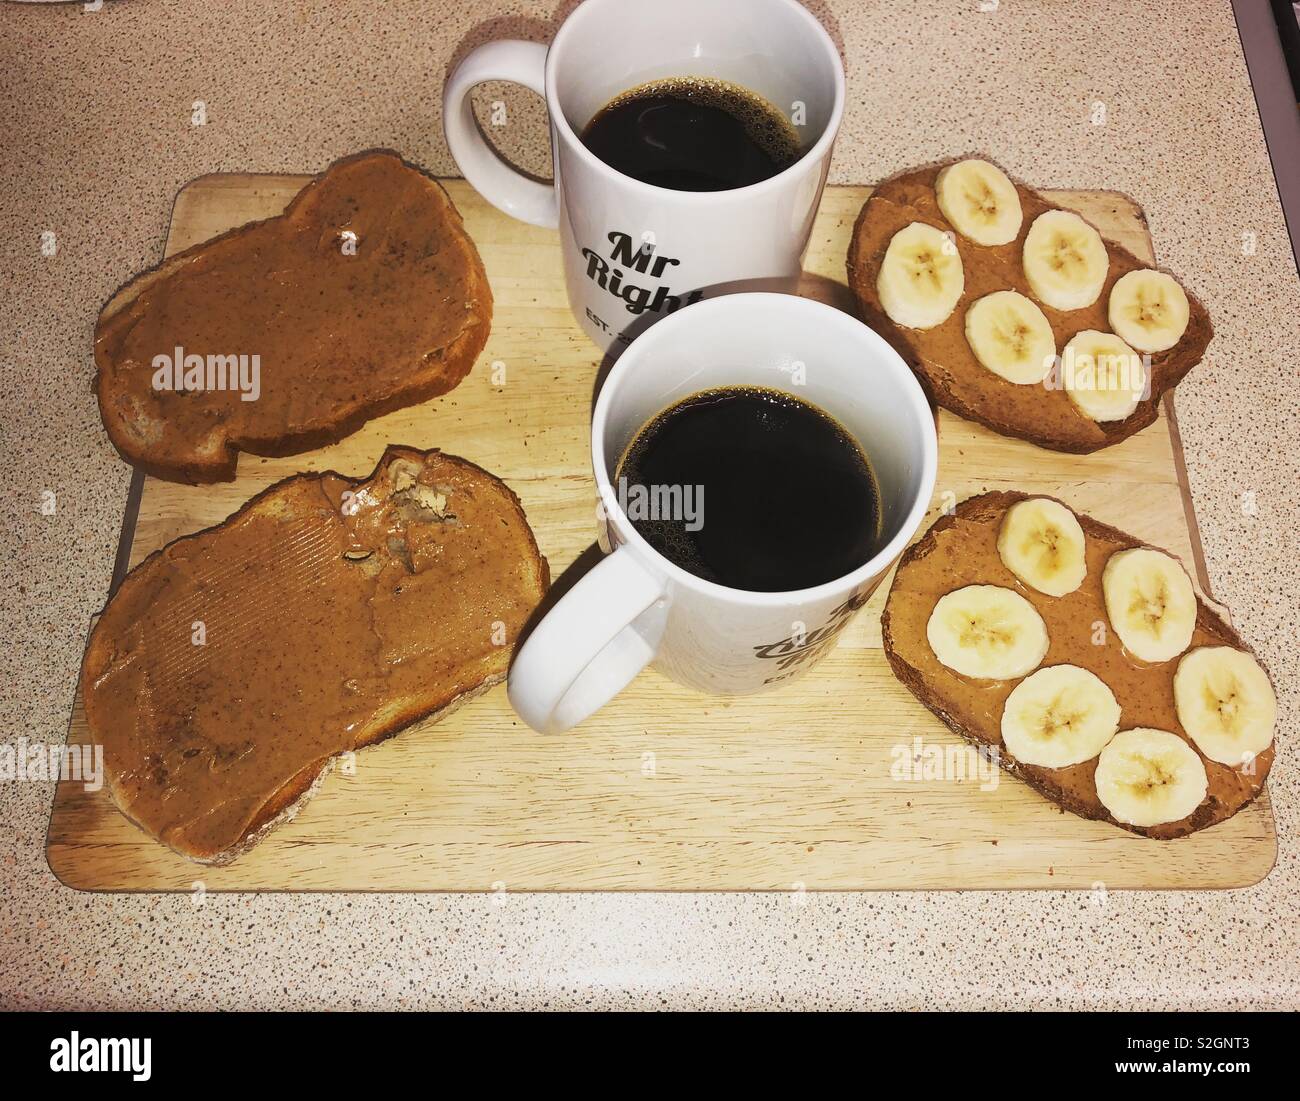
(636, 606)
(634, 252)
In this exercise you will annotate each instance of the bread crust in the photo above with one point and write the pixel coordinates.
(988, 509)
(293, 797)
(1011, 415)
(440, 371)
(433, 703)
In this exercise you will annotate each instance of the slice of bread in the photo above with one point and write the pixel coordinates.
(961, 549)
(364, 296)
(233, 666)
(941, 357)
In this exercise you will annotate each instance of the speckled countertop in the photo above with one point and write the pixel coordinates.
(95, 121)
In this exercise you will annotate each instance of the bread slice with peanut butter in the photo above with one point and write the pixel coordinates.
(1081, 637)
(234, 666)
(284, 335)
(1000, 274)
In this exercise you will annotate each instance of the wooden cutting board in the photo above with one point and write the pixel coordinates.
(800, 789)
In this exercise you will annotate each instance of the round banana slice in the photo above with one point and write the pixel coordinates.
(1062, 715)
(1103, 376)
(1150, 603)
(1146, 777)
(980, 202)
(1041, 542)
(921, 277)
(1065, 260)
(987, 631)
(1226, 704)
(1149, 310)
(1010, 336)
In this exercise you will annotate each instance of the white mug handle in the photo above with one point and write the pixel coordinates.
(585, 650)
(505, 188)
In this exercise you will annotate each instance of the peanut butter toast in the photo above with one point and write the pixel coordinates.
(1085, 661)
(977, 280)
(233, 666)
(281, 336)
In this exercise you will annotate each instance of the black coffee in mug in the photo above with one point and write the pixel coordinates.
(693, 134)
(753, 489)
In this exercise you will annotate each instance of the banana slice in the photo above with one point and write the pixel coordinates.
(1145, 777)
(987, 631)
(1041, 542)
(1059, 716)
(1150, 603)
(1149, 310)
(1226, 704)
(921, 277)
(1103, 376)
(1065, 260)
(1010, 336)
(980, 202)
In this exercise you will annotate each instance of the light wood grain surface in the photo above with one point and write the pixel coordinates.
(664, 789)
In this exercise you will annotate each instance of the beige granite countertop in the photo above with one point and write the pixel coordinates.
(95, 120)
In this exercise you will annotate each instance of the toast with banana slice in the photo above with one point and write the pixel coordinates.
(1084, 661)
(233, 667)
(1018, 314)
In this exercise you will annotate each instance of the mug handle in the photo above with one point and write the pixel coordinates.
(585, 650)
(505, 188)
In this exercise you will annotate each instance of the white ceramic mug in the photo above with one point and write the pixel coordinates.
(633, 252)
(635, 606)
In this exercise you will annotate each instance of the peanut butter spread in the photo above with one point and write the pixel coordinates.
(286, 334)
(942, 357)
(326, 614)
(961, 550)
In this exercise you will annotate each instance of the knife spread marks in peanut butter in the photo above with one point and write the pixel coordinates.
(364, 296)
(326, 614)
(961, 549)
